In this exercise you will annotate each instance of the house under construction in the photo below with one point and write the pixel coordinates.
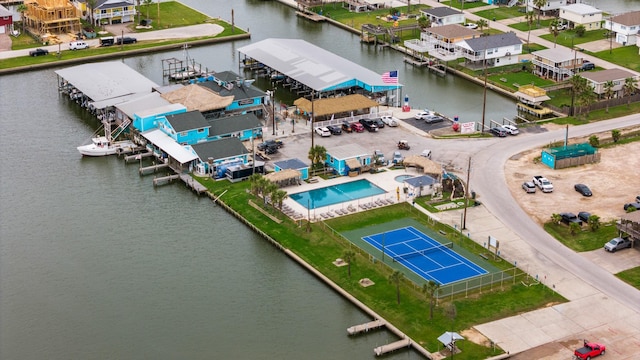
(50, 17)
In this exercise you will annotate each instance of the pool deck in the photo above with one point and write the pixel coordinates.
(385, 180)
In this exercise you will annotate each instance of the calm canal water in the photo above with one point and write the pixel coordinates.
(97, 264)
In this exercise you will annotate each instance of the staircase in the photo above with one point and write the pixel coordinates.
(120, 129)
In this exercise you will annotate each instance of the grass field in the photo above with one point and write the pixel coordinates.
(569, 37)
(626, 57)
(501, 13)
(585, 240)
(324, 244)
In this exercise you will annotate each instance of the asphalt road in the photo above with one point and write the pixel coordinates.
(490, 182)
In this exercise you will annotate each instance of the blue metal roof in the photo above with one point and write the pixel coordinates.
(423, 180)
(294, 164)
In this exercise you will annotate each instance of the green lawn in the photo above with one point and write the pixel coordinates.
(172, 14)
(463, 6)
(322, 246)
(626, 56)
(565, 38)
(631, 277)
(501, 13)
(521, 78)
(524, 26)
(585, 240)
(357, 19)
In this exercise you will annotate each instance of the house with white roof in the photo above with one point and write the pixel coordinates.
(349, 157)
(551, 6)
(497, 50)
(557, 63)
(582, 14)
(441, 41)
(440, 16)
(598, 79)
(625, 27)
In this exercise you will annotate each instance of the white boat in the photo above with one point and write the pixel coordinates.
(101, 146)
(107, 145)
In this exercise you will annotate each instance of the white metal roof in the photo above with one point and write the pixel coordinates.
(348, 151)
(106, 80)
(170, 146)
(556, 54)
(313, 66)
(581, 9)
(148, 101)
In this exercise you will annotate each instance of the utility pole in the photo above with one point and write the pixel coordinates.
(466, 200)
(313, 116)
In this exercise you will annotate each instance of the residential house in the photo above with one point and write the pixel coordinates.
(214, 157)
(552, 6)
(50, 17)
(440, 16)
(598, 79)
(440, 42)
(168, 151)
(496, 50)
(625, 27)
(108, 11)
(245, 97)
(6, 20)
(420, 185)
(629, 224)
(244, 127)
(186, 128)
(348, 158)
(146, 119)
(582, 14)
(293, 164)
(556, 63)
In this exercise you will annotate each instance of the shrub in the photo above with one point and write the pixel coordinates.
(594, 141)
(615, 135)
(580, 30)
(594, 222)
(574, 228)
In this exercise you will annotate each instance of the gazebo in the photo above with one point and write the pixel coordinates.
(428, 166)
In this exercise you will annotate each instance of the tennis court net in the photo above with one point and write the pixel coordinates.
(424, 251)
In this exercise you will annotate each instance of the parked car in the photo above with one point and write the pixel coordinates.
(78, 45)
(323, 131)
(270, 143)
(584, 216)
(357, 127)
(587, 65)
(335, 129)
(498, 131)
(529, 187)
(369, 124)
(403, 145)
(471, 26)
(397, 158)
(638, 198)
(432, 119)
(379, 123)
(426, 153)
(583, 189)
(346, 127)
(126, 40)
(390, 120)
(38, 52)
(569, 218)
(628, 206)
(423, 114)
(511, 129)
(616, 244)
(589, 350)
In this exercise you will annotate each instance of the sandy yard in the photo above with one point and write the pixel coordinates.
(614, 181)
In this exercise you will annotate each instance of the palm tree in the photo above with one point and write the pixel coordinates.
(269, 189)
(608, 92)
(424, 22)
(430, 289)
(574, 228)
(529, 17)
(629, 88)
(594, 222)
(395, 279)
(586, 97)
(349, 256)
(317, 155)
(138, 10)
(539, 4)
(615, 135)
(22, 8)
(482, 23)
(555, 218)
(254, 180)
(278, 197)
(91, 4)
(147, 3)
(553, 29)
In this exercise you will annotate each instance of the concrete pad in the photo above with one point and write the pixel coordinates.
(614, 262)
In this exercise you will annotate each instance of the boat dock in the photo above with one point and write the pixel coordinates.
(140, 156)
(311, 16)
(384, 349)
(152, 169)
(165, 180)
(372, 325)
(192, 184)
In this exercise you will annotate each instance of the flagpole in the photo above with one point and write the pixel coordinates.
(398, 88)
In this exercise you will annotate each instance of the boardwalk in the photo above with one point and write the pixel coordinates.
(381, 350)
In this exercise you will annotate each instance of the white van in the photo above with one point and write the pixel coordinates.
(77, 45)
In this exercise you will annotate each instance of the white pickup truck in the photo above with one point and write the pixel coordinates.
(543, 183)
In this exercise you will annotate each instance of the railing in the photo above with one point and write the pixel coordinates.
(112, 14)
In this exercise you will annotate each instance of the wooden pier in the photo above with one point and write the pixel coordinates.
(193, 184)
(438, 69)
(372, 325)
(384, 349)
(140, 156)
(165, 180)
(152, 169)
(417, 61)
(311, 16)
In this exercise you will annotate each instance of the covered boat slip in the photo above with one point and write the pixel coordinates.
(177, 155)
(317, 70)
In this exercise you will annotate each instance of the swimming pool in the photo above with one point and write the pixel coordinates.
(336, 194)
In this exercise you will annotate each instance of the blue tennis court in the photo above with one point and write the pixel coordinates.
(425, 256)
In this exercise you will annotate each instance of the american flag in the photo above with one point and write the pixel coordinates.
(390, 77)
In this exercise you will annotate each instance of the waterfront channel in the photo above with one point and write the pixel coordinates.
(97, 264)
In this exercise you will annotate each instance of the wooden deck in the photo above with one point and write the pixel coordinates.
(372, 325)
(311, 16)
(384, 349)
